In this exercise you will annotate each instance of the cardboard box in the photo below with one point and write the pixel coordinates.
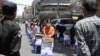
(47, 40)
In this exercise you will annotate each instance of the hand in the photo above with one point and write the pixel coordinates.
(49, 36)
(46, 36)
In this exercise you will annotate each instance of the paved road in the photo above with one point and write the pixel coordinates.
(25, 45)
(27, 49)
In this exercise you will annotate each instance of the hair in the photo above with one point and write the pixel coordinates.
(9, 9)
(90, 5)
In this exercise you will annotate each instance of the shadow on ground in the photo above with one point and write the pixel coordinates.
(59, 48)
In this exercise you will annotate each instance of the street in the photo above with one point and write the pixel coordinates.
(49, 27)
(27, 49)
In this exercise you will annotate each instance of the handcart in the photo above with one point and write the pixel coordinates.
(47, 46)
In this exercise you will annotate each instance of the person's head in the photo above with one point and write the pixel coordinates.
(38, 22)
(89, 7)
(9, 9)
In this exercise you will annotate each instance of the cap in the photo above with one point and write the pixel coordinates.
(9, 8)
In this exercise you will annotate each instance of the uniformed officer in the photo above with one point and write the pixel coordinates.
(10, 36)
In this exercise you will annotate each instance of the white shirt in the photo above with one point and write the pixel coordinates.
(38, 28)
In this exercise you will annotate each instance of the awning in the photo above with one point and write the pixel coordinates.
(53, 14)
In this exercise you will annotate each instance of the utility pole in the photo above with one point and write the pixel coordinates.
(58, 15)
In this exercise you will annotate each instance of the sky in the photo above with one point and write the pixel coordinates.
(20, 7)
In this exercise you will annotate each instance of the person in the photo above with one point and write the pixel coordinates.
(26, 26)
(10, 35)
(39, 23)
(1, 2)
(48, 30)
(72, 34)
(32, 30)
(66, 39)
(38, 28)
(57, 35)
(88, 30)
(61, 30)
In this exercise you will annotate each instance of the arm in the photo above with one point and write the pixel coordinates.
(16, 41)
(83, 48)
(44, 31)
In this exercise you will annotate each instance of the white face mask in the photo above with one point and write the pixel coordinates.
(48, 24)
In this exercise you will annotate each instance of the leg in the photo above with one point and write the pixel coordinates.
(35, 49)
(64, 42)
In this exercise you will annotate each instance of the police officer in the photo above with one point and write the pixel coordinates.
(10, 36)
(88, 30)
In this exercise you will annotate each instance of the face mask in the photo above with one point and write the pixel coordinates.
(48, 24)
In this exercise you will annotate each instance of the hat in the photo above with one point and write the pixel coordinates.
(9, 8)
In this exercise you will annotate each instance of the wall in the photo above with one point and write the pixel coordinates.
(98, 12)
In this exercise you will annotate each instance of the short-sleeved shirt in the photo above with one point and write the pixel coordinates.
(48, 30)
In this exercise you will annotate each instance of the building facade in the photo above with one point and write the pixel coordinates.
(35, 7)
(53, 8)
(27, 14)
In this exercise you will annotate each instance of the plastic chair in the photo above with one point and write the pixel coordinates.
(37, 44)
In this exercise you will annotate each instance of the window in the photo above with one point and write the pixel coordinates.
(54, 22)
(66, 22)
(71, 21)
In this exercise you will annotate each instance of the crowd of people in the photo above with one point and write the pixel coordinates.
(34, 27)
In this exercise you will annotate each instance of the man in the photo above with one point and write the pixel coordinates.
(1, 2)
(48, 30)
(10, 36)
(88, 30)
(26, 26)
(38, 26)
